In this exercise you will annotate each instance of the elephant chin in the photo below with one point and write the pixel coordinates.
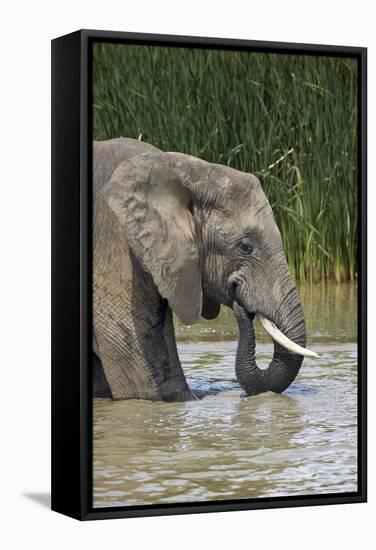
(210, 309)
(285, 364)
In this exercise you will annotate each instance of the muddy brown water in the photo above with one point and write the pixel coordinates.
(222, 447)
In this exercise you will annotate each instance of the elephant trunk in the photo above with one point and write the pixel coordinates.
(284, 366)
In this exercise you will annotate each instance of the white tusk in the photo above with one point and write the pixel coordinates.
(279, 337)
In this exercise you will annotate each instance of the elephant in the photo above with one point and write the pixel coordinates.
(175, 233)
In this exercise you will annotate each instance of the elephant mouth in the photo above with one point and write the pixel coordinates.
(278, 336)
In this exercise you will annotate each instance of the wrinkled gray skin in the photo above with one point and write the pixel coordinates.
(173, 232)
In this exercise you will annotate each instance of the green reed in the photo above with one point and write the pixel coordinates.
(290, 120)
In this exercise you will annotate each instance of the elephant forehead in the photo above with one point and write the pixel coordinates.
(256, 212)
(248, 219)
(243, 191)
(247, 209)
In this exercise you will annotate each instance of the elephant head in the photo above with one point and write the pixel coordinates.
(207, 236)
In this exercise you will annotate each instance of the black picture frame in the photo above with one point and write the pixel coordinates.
(71, 274)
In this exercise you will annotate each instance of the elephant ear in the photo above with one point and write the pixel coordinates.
(151, 203)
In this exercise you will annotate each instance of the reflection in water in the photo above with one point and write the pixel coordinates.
(228, 447)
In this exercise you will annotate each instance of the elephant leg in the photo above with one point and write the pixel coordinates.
(100, 384)
(118, 345)
(133, 328)
(124, 367)
(174, 387)
(139, 359)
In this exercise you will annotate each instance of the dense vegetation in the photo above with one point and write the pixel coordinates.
(290, 120)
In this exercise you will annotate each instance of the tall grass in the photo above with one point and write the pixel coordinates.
(290, 120)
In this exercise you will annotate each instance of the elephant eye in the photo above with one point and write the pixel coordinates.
(245, 247)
